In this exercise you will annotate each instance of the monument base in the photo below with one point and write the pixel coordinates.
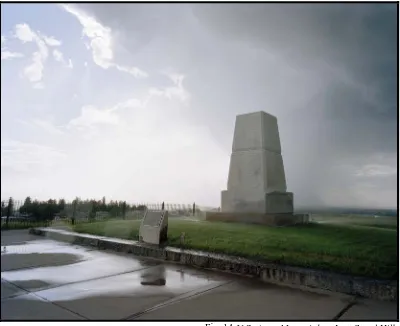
(271, 203)
(285, 219)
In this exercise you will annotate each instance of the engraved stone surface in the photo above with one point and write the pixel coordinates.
(154, 227)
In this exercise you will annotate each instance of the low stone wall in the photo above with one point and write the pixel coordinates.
(386, 290)
(258, 218)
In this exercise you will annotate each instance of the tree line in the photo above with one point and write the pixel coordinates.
(47, 210)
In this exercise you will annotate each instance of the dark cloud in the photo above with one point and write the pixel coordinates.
(327, 71)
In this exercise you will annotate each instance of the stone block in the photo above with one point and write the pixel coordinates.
(279, 202)
(154, 227)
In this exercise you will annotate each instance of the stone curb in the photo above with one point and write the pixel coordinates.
(385, 290)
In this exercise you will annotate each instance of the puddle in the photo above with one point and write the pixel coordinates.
(154, 276)
(12, 262)
(40, 246)
(154, 281)
(32, 284)
(98, 264)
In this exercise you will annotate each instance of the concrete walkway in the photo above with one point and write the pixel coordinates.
(44, 279)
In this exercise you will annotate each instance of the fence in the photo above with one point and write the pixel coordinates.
(16, 213)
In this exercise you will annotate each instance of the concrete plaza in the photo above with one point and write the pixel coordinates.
(44, 279)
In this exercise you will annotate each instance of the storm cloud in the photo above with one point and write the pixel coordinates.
(327, 71)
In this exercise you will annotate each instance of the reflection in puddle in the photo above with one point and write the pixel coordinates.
(158, 281)
(40, 247)
(154, 276)
(182, 274)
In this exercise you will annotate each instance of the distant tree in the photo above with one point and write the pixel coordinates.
(27, 206)
(3, 208)
(61, 204)
(27, 201)
(10, 208)
(94, 209)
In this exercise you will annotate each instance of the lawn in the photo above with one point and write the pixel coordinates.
(386, 222)
(346, 248)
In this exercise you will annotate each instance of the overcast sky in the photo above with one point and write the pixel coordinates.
(137, 102)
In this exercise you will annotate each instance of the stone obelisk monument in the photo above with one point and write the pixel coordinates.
(256, 191)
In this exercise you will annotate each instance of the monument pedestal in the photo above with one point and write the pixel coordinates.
(258, 218)
(256, 191)
(273, 203)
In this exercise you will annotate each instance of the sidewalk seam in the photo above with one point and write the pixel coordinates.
(38, 296)
(173, 301)
(345, 309)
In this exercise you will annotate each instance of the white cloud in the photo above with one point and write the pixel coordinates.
(91, 116)
(58, 56)
(3, 39)
(5, 55)
(376, 170)
(50, 40)
(136, 72)
(24, 33)
(99, 37)
(176, 91)
(38, 85)
(34, 71)
(24, 156)
(100, 42)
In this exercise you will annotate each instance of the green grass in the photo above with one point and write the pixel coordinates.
(360, 220)
(344, 248)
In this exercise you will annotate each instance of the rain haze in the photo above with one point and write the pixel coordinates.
(137, 102)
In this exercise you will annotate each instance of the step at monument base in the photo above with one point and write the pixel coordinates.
(285, 219)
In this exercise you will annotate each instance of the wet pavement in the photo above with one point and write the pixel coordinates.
(45, 279)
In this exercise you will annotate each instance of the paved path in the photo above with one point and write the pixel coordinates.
(45, 279)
